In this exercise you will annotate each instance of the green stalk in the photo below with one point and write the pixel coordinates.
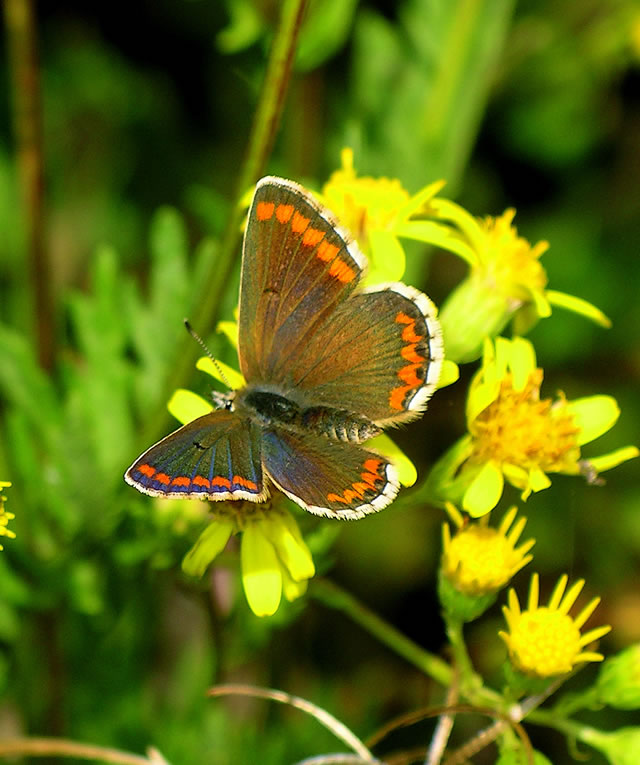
(263, 132)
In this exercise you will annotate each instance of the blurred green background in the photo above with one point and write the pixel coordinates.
(146, 113)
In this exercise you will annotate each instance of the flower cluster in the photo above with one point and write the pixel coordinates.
(517, 436)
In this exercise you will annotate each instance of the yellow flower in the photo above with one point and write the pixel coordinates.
(517, 436)
(544, 641)
(506, 280)
(480, 559)
(5, 516)
(275, 559)
(377, 211)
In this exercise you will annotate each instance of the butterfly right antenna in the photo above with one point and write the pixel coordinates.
(200, 341)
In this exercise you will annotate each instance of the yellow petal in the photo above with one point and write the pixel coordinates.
(579, 306)
(484, 491)
(261, 574)
(437, 235)
(418, 200)
(539, 298)
(388, 260)
(290, 547)
(233, 378)
(481, 394)
(407, 472)
(594, 415)
(209, 544)
(538, 480)
(516, 475)
(450, 373)
(293, 590)
(447, 210)
(185, 405)
(522, 362)
(502, 356)
(230, 330)
(613, 459)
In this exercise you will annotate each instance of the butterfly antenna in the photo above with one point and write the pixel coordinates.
(200, 341)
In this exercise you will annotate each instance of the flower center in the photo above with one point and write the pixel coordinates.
(480, 560)
(510, 261)
(545, 642)
(520, 429)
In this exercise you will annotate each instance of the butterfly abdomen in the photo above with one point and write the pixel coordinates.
(269, 408)
(338, 424)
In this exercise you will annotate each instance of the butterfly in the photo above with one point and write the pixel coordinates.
(327, 367)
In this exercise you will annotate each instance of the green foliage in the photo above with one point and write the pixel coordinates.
(102, 638)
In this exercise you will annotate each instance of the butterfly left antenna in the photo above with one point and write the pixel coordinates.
(200, 341)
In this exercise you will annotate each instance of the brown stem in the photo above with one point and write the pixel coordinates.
(27, 121)
(47, 747)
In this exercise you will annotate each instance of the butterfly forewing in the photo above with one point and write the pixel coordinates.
(216, 456)
(297, 267)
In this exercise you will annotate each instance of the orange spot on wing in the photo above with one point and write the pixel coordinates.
(200, 480)
(369, 477)
(146, 470)
(181, 480)
(397, 397)
(407, 374)
(221, 481)
(238, 480)
(264, 210)
(163, 478)
(312, 236)
(327, 251)
(342, 271)
(409, 332)
(299, 223)
(410, 354)
(372, 465)
(284, 213)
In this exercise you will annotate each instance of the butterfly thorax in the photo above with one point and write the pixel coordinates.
(269, 408)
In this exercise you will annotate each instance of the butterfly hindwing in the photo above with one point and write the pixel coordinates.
(379, 354)
(216, 456)
(325, 477)
(297, 266)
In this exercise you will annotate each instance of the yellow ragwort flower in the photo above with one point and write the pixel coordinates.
(5, 516)
(376, 211)
(516, 435)
(544, 641)
(274, 557)
(506, 280)
(479, 559)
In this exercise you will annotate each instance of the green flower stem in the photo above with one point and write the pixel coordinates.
(570, 728)
(19, 16)
(335, 597)
(263, 132)
(470, 681)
